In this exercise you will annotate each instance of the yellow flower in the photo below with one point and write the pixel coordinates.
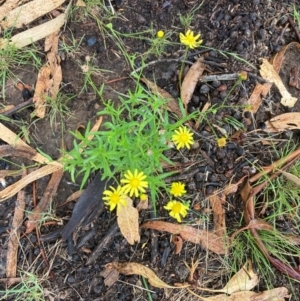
(190, 40)
(114, 197)
(134, 183)
(183, 138)
(143, 197)
(221, 142)
(177, 189)
(160, 34)
(177, 209)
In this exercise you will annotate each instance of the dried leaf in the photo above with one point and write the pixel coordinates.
(276, 294)
(291, 177)
(35, 216)
(42, 88)
(128, 221)
(255, 100)
(267, 72)
(191, 80)
(26, 13)
(133, 268)
(283, 122)
(172, 103)
(35, 34)
(13, 243)
(111, 276)
(244, 280)
(7, 6)
(35, 175)
(178, 242)
(80, 3)
(207, 239)
(74, 196)
(12, 139)
(216, 201)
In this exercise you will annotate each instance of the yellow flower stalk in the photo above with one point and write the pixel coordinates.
(190, 40)
(177, 189)
(114, 197)
(183, 138)
(177, 210)
(134, 183)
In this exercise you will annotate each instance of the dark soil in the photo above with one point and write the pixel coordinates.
(252, 29)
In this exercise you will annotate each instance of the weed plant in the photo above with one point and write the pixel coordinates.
(282, 203)
(136, 137)
(11, 58)
(29, 289)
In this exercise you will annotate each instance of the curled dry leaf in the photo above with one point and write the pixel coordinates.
(207, 239)
(111, 276)
(191, 80)
(128, 221)
(177, 241)
(276, 294)
(244, 280)
(133, 268)
(268, 72)
(283, 122)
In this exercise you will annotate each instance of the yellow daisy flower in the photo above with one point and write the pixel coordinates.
(160, 34)
(177, 210)
(114, 197)
(221, 142)
(177, 189)
(134, 183)
(183, 138)
(190, 40)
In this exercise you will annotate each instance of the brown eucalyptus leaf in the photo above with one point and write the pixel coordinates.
(128, 221)
(244, 280)
(283, 122)
(191, 80)
(207, 239)
(133, 268)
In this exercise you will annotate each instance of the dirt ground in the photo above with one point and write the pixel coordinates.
(254, 30)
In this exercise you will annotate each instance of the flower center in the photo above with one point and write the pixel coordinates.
(184, 137)
(134, 182)
(115, 198)
(176, 208)
(190, 38)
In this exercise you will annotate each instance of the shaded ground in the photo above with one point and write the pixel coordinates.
(253, 30)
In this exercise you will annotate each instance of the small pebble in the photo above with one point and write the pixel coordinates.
(91, 41)
(204, 89)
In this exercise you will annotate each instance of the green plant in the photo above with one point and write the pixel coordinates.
(296, 16)
(58, 109)
(136, 136)
(12, 58)
(29, 289)
(187, 19)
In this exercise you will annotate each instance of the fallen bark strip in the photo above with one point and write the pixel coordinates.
(13, 243)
